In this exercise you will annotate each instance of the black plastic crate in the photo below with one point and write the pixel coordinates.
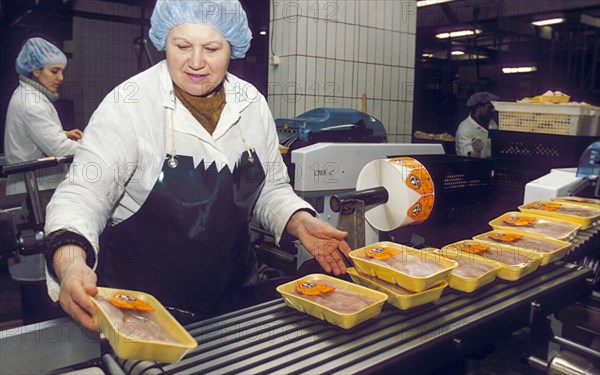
(556, 151)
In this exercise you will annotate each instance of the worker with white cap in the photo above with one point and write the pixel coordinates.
(182, 166)
(33, 129)
(472, 134)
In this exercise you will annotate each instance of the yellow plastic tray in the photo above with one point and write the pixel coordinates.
(579, 200)
(568, 229)
(528, 242)
(584, 221)
(469, 284)
(324, 313)
(412, 283)
(507, 272)
(127, 347)
(397, 296)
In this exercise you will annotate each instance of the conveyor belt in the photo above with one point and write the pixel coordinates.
(273, 338)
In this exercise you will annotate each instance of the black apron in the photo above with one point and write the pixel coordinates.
(188, 245)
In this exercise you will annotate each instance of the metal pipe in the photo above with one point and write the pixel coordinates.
(34, 196)
(111, 365)
(568, 344)
(370, 197)
(536, 363)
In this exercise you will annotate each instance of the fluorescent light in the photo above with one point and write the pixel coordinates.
(263, 32)
(457, 53)
(551, 21)
(425, 3)
(457, 34)
(519, 69)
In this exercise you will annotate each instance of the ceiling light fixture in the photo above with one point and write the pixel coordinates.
(425, 3)
(262, 32)
(457, 34)
(427, 54)
(519, 69)
(457, 53)
(550, 21)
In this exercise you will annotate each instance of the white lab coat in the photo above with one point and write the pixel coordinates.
(33, 130)
(126, 142)
(468, 130)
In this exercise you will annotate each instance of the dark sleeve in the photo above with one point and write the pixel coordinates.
(64, 237)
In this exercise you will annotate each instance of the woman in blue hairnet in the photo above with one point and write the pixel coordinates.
(177, 169)
(33, 129)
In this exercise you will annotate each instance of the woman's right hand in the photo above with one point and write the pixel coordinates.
(77, 284)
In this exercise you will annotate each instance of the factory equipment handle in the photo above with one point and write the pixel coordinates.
(370, 197)
(32, 165)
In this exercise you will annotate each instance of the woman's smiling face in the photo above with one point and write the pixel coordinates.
(197, 57)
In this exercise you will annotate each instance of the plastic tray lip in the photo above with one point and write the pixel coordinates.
(187, 342)
(495, 266)
(547, 257)
(510, 272)
(401, 301)
(395, 245)
(440, 284)
(147, 298)
(575, 202)
(493, 224)
(534, 256)
(584, 222)
(317, 276)
(525, 234)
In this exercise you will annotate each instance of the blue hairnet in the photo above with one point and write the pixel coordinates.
(226, 16)
(37, 53)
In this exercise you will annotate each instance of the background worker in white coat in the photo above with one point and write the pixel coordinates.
(182, 168)
(33, 129)
(472, 133)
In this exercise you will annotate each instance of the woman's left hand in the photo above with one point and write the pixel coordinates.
(74, 134)
(321, 239)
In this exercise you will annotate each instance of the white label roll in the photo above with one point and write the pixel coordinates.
(410, 190)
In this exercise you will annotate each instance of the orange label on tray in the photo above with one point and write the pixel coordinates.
(127, 301)
(505, 237)
(519, 221)
(311, 288)
(472, 247)
(546, 206)
(382, 253)
(421, 210)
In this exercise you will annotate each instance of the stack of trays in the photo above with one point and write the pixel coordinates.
(535, 224)
(408, 276)
(472, 272)
(151, 334)
(397, 296)
(576, 213)
(336, 301)
(514, 263)
(548, 248)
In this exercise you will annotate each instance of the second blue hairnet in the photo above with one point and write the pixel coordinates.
(226, 16)
(37, 53)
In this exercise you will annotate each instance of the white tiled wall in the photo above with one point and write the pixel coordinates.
(334, 51)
